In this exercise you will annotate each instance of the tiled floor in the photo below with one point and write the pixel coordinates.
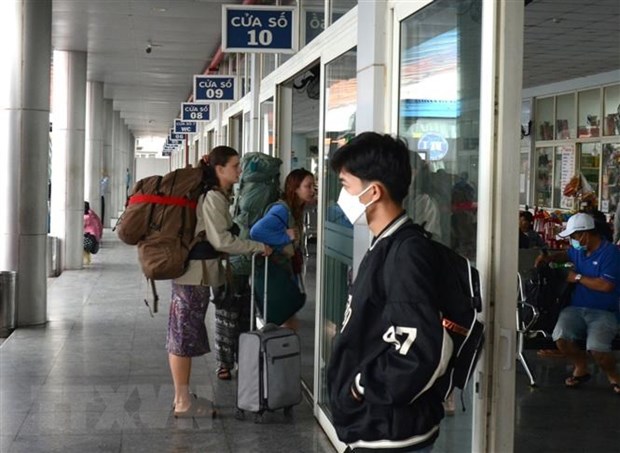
(96, 379)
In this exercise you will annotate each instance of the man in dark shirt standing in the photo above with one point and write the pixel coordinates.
(392, 347)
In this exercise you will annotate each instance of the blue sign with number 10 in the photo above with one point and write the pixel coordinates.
(259, 29)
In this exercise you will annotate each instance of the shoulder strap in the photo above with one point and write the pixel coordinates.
(288, 223)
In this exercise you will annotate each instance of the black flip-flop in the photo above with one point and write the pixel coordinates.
(575, 381)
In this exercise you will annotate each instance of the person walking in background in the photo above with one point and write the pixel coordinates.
(187, 333)
(281, 227)
(93, 230)
(103, 190)
(392, 347)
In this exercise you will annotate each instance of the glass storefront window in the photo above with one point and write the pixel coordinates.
(610, 180)
(524, 179)
(524, 159)
(589, 120)
(544, 118)
(565, 116)
(340, 7)
(268, 64)
(544, 176)
(438, 116)
(612, 110)
(563, 171)
(312, 20)
(590, 164)
(266, 127)
(340, 107)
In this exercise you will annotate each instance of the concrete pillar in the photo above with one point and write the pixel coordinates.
(124, 167)
(68, 138)
(106, 162)
(132, 160)
(115, 176)
(254, 133)
(371, 91)
(94, 144)
(25, 52)
(371, 67)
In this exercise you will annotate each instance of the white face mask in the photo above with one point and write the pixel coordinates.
(352, 207)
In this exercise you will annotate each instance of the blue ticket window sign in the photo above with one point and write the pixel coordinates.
(264, 29)
(434, 144)
(184, 127)
(195, 112)
(220, 88)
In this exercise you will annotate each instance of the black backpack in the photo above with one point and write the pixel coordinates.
(459, 304)
(548, 291)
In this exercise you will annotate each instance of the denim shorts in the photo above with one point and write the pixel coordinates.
(597, 327)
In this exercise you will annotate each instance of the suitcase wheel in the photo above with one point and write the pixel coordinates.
(258, 418)
(239, 414)
(288, 411)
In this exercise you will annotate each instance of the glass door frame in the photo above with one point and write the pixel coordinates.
(333, 42)
(501, 71)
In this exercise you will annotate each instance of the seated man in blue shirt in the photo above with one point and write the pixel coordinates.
(591, 315)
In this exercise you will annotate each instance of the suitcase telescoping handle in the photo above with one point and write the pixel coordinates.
(253, 294)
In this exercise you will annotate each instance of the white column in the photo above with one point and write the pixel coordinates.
(254, 105)
(94, 145)
(25, 52)
(106, 161)
(372, 68)
(372, 92)
(116, 176)
(132, 159)
(69, 113)
(500, 100)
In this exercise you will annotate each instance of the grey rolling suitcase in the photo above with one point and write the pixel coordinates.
(269, 375)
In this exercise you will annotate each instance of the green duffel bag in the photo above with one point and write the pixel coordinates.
(284, 296)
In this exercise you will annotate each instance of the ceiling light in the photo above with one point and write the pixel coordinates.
(159, 10)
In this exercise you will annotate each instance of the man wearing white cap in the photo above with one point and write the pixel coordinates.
(592, 313)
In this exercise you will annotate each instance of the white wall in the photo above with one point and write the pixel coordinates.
(151, 166)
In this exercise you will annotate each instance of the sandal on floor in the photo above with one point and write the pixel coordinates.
(615, 387)
(199, 408)
(223, 374)
(191, 394)
(575, 381)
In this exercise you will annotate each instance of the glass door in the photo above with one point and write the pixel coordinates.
(438, 114)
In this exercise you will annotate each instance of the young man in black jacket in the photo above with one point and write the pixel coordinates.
(392, 347)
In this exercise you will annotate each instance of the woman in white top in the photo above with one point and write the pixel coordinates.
(187, 333)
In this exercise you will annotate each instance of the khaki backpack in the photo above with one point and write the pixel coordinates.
(160, 218)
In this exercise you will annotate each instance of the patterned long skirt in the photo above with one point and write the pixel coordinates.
(231, 322)
(187, 332)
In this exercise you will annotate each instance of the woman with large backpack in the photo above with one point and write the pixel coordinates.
(282, 228)
(187, 333)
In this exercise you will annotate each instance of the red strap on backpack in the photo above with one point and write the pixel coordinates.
(162, 199)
